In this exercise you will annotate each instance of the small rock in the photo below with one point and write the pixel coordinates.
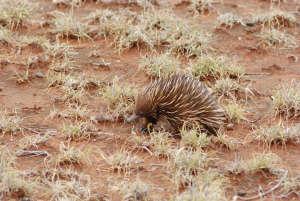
(292, 58)
(101, 118)
(230, 126)
(25, 199)
(40, 74)
(241, 193)
(95, 54)
(102, 64)
(273, 67)
(32, 61)
(4, 62)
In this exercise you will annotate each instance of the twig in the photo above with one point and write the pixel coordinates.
(31, 130)
(32, 153)
(262, 194)
(146, 148)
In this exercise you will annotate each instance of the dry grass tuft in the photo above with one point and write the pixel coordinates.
(291, 185)
(151, 29)
(275, 18)
(227, 142)
(13, 13)
(286, 100)
(278, 39)
(158, 65)
(67, 184)
(189, 40)
(209, 186)
(228, 20)
(77, 130)
(10, 122)
(6, 36)
(33, 141)
(227, 87)
(71, 155)
(11, 179)
(186, 164)
(120, 99)
(69, 3)
(67, 25)
(216, 67)
(74, 111)
(123, 161)
(262, 162)
(160, 143)
(278, 134)
(259, 162)
(135, 191)
(194, 138)
(201, 6)
(235, 113)
(190, 161)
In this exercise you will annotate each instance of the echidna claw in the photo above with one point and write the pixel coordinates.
(144, 130)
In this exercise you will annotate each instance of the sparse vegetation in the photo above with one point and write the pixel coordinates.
(76, 131)
(158, 65)
(123, 161)
(259, 162)
(160, 143)
(286, 100)
(201, 6)
(291, 185)
(194, 138)
(33, 141)
(11, 179)
(275, 38)
(275, 18)
(226, 87)
(235, 113)
(134, 191)
(212, 66)
(10, 122)
(66, 25)
(209, 187)
(71, 155)
(69, 3)
(69, 74)
(186, 164)
(14, 13)
(67, 184)
(34, 41)
(226, 141)
(192, 42)
(228, 20)
(6, 36)
(278, 134)
(120, 98)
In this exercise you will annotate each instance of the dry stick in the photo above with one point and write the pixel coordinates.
(31, 130)
(32, 153)
(236, 197)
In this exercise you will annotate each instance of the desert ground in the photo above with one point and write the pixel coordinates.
(70, 71)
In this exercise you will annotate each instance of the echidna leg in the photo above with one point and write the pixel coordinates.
(210, 130)
(148, 125)
(147, 128)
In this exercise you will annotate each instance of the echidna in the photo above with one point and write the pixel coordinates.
(179, 99)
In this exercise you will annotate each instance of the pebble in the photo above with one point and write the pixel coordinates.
(39, 74)
(230, 126)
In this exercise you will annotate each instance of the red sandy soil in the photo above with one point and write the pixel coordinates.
(34, 100)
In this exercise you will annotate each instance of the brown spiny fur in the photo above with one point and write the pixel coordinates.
(180, 99)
